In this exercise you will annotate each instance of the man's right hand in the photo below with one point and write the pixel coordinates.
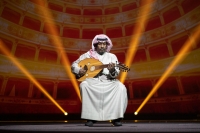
(82, 72)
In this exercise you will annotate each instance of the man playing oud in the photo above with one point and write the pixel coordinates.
(103, 96)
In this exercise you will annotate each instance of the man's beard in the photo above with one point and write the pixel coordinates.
(101, 51)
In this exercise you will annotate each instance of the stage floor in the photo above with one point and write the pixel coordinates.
(78, 126)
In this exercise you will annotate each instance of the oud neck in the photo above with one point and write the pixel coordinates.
(103, 66)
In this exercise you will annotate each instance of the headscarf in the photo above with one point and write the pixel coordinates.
(96, 40)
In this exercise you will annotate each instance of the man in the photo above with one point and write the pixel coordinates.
(103, 97)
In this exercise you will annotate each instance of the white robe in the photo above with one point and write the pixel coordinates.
(102, 99)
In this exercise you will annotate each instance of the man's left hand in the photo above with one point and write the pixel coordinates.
(111, 67)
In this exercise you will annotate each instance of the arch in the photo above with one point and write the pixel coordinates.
(47, 85)
(49, 26)
(91, 33)
(47, 56)
(120, 56)
(55, 7)
(92, 12)
(111, 10)
(178, 43)
(129, 29)
(66, 91)
(168, 88)
(114, 32)
(72, 10)
(25, 52)
(37, 2)
(191, 84)
(140, 56)
(171, 15)
(11, 15)
(153, 23)
(31, 23)
(129, 6)
(8, 44)
(159, 52)
(141, 88)
(71, 32)
(71, 56)
(144, 2)
(189, 5)
(17, 87)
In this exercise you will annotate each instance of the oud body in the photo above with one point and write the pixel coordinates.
(93, 67)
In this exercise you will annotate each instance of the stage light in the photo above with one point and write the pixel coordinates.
(27, 74)
(135, 113)
(66, 113)
(143, 16)
(177, 60)
(58, 44)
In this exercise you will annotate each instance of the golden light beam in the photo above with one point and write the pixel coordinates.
(29, 76)
(137, 34)
(57, 42)
(180, 56)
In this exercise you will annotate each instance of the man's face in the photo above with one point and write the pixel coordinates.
(101, 48)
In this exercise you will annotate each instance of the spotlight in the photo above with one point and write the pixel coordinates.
(5, 50)
(176, 61)
(57, 42)
(65, 113)
(136, 113)
(138, 31)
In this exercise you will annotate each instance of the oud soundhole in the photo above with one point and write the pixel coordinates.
(92, 68)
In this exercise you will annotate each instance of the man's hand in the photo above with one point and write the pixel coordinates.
(82, 72)
(111, 67)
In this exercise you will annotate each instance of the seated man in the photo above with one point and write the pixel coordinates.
(103, 97)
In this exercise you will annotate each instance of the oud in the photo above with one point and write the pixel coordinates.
(93, 67)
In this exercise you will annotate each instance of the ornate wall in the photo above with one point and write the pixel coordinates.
(26, 34)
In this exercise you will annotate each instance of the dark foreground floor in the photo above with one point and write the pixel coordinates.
(101, 127)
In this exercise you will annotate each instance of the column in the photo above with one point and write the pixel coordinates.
(58, 58)
(30, 90)
(180, 9)
(153, 82)
(3, 86)
(64, 8)
(169, 48)
(147, 53)
(22, 18)
(143, 27)
(120, 8)
(46, 4)
(123, 31)
(42, 26)
(180, 86)
(37, 53)
(130, 90)
(104, 29)
(103, 10)
(61, 30)
(82, 10)
(137, 3)
(14, 46)
(55, 90)
(2, 7)
(161, 18)
(193, 41)
(81, 31)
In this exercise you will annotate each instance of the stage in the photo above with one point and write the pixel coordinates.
(77, 126)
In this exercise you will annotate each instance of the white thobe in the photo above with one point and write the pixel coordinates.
(102, 98)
